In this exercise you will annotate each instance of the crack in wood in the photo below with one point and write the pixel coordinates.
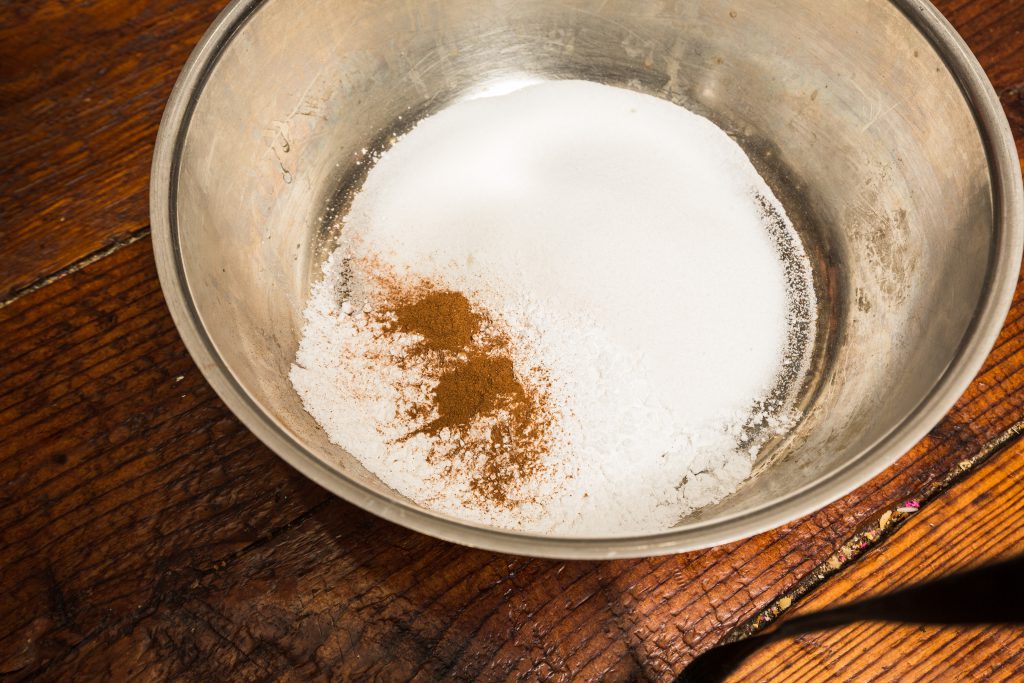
(114, 244)
(886, 523)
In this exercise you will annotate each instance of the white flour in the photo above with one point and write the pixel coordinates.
(629, 250)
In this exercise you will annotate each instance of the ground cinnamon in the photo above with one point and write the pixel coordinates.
(479, 401)
(478, 385)
(444, 319)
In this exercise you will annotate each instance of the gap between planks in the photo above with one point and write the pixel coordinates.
(881, 527)
(116, 244)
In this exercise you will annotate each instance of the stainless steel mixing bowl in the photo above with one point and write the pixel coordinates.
(870, 119)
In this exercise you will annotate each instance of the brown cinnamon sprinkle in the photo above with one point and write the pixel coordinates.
(500, 423)
(444, 319)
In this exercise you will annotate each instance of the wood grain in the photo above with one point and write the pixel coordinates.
(82, 86)
(981, 520)
(145, 531)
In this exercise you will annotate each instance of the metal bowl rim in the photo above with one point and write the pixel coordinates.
(974, 348)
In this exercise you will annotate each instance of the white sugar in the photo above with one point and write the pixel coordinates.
(629, 249)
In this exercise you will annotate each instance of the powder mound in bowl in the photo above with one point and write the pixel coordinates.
(572, 309)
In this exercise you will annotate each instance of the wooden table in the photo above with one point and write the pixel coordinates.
(146, 534)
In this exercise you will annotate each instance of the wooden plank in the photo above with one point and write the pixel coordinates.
(145, 531)
(981, 520)
(83, 84)
(82, 87)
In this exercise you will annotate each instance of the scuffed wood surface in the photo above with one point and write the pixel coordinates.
(981, 520)
(144, 532)
(82, 88)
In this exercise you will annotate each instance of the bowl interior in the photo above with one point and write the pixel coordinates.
(845, 108)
